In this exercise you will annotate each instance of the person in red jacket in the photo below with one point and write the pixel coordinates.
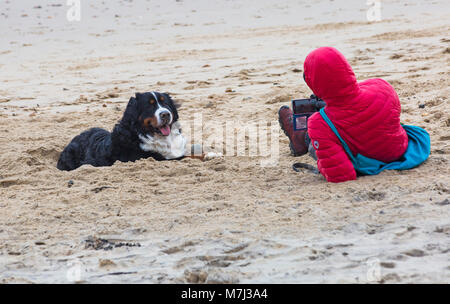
(366, 114)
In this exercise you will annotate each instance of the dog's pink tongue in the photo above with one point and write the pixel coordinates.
(165, 130)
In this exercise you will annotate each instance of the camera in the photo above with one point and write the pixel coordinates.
(303, 109)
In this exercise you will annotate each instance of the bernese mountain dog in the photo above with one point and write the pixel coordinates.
(149, 128)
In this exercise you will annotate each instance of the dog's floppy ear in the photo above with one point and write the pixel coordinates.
(174, 106)
(130, 116)
(125, 132)
(175, 103)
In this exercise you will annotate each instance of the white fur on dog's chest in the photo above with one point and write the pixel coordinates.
(170, 147)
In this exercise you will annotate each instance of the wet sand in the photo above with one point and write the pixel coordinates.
(227, 219)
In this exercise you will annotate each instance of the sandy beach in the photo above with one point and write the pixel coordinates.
(228, 219)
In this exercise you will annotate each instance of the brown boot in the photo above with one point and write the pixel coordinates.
(297, 139)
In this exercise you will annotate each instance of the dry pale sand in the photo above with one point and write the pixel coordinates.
(228, 219)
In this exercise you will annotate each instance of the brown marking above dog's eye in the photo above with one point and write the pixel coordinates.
(162, 98)
(152, 101)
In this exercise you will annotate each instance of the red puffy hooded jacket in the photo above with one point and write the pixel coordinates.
(366, 114)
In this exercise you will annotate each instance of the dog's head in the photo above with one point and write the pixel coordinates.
(151, 113)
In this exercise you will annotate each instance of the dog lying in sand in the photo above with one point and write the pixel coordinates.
(149, 128)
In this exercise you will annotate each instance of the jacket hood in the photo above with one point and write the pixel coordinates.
(329, 75)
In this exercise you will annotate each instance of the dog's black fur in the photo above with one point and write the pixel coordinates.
(99, 147)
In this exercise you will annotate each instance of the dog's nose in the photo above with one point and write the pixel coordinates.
(165, 116)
